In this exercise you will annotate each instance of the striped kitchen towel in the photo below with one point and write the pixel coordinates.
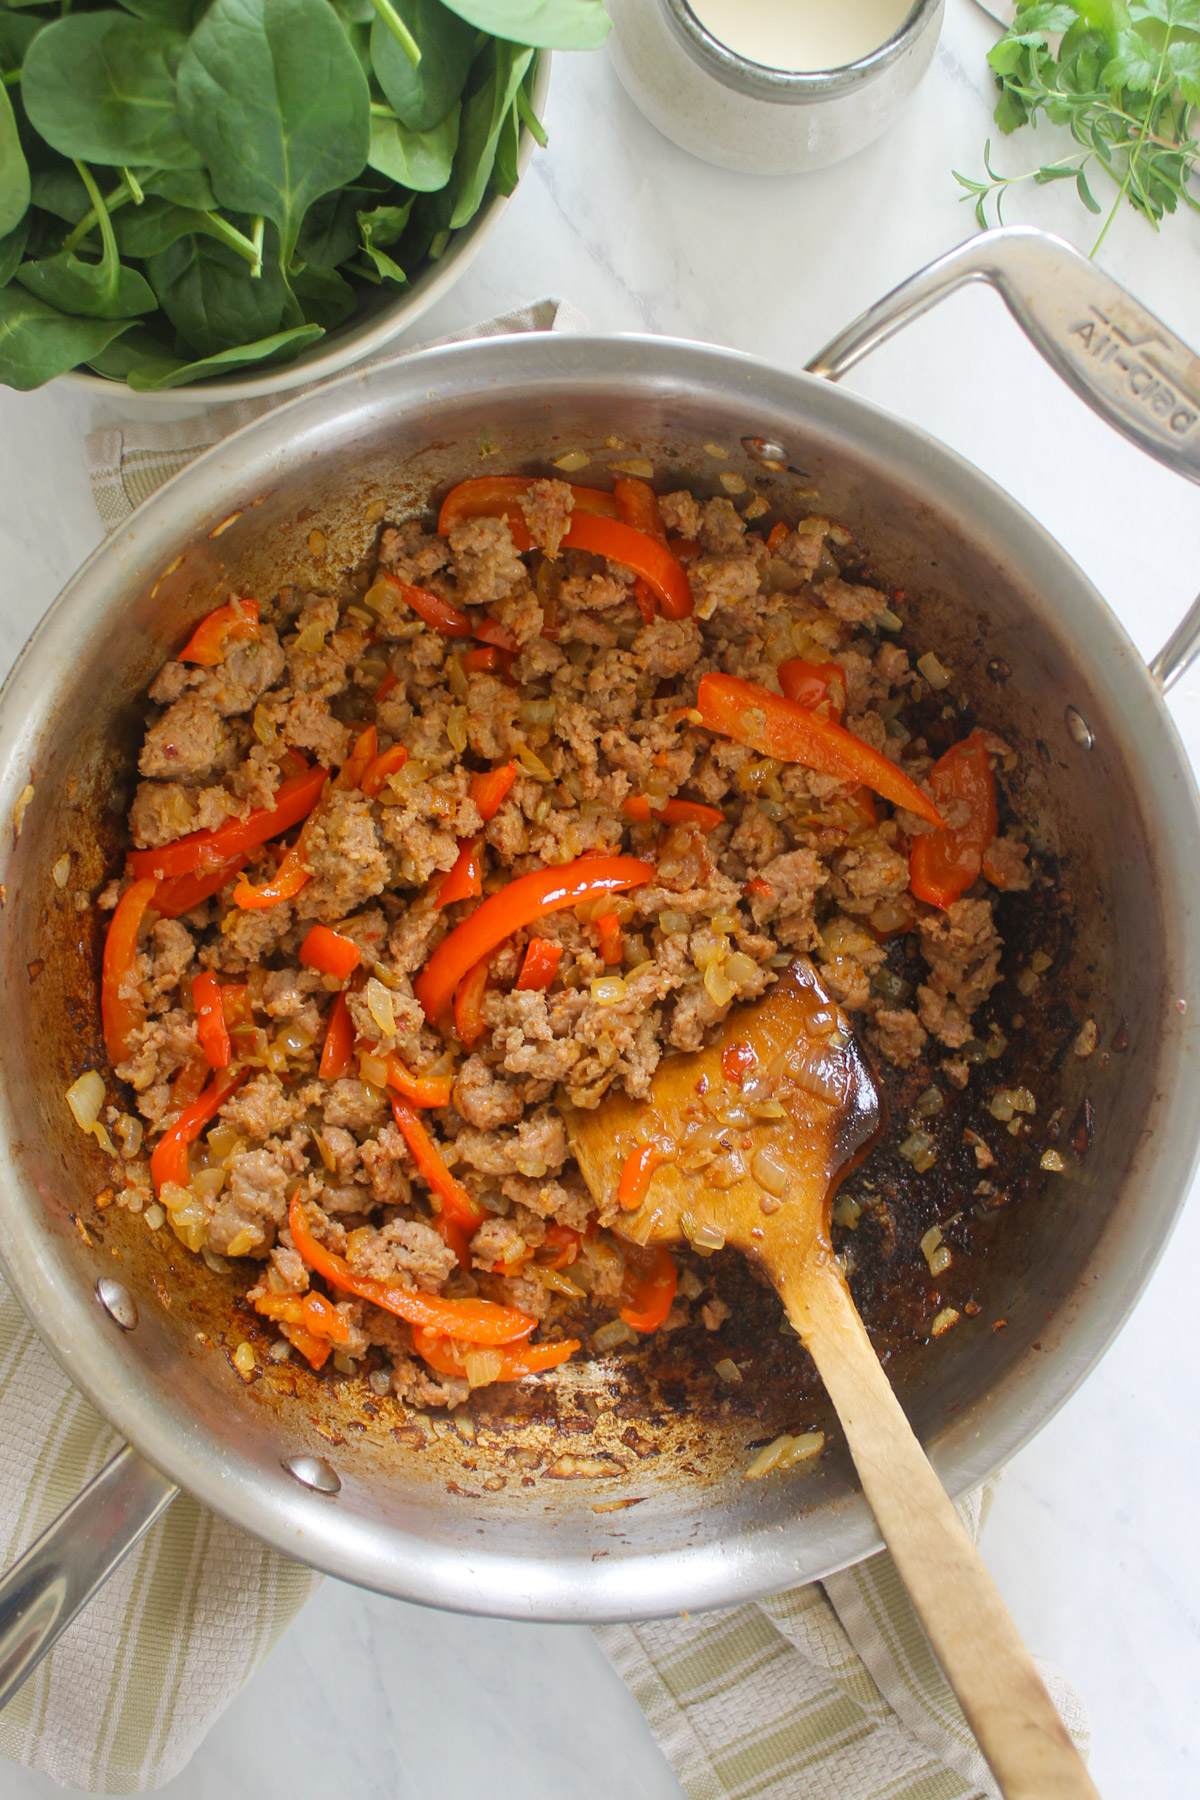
(826, 1692)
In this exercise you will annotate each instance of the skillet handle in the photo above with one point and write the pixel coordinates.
(1118, 357)
(57, 1576)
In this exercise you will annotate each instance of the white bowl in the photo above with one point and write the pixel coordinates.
(383, 314)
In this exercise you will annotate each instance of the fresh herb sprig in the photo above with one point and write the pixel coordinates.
(191, 188)
(1124, 78)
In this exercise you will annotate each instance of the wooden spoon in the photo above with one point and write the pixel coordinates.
(786, 1101)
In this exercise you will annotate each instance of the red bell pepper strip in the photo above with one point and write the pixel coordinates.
(649, 1291)
(366, 747)
(179, 893)
(810, 684)
(467, 1321)
(943, 864)
(636, 1171)
(210, 1019)
(419, 1090)
(323, 1320)
(776, 536)
(528, 898)
(337, 1052)
(295, 871)
(484, 659)
(776, 726)
(292, 874)
(644, 555)
(489, 791)
(465, 879)
(121, 1008)
(188, 1084)
(612, 944)
(439, 1352)
(541, 963)
(234, 623)
(638, 504)
(757, 886)
(564, 1242)
(204, 851)
(314, 1350)
(494, 632)
(330, 952)
(388, 762)
(460, 1207)
(468, 1002)
(500, 496)
(639, 507)
(441, 614)
(168, 1160)
(686, 551)
(672, 812)
(386, 685)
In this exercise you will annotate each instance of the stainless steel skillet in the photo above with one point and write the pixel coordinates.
(1103, 777)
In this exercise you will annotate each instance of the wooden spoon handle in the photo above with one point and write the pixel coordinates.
(956, 1600)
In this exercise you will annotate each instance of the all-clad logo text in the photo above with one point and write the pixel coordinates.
(1113, 349)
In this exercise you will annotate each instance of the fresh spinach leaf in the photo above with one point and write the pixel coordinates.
(484, 113)
(547, 24)
(274, 97)
(156, 224)
(17, 32)
(421, 95)
(61, 192)
(180, 15)
(101, 87)
(210, 296)
(90, 290)
(183, 187)
(37, 342)
(282, 347)
(14, 170)
(381, 227)
(420, 160)
(325, 298)
(329, 234)
(12, 249)
(505, 173)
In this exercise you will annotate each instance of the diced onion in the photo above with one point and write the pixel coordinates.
(719, 988)
(733, 484)
(310, 640)
(60, 874)
(482, 1366)
(609, 1336)
(1052, 1161)
(154, 1216)
(244, 1359)
(785, 1451)
(456, 728)
(641, 466)
(819, 1071)
(85, 1097)
(708, 1237)
(934, 672)
(740, 968)
(607, 990)
(572, 462)
(948, 1316)
(671, 921)
(930, 1102)
(1007, 1101)
(532, 763)
(770, 1170)
(560, 1283)
(382, 1009)
(727, 1370)
(130, 1130)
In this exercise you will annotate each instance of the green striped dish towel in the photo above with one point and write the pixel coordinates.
(826, 1692)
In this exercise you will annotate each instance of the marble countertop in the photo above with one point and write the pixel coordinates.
(1092, 1539)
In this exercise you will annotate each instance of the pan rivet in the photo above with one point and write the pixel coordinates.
(1079, 729)
(771, 455)
(313, 1472)
(117, 1302)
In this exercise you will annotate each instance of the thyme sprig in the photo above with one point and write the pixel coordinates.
(1124, 78)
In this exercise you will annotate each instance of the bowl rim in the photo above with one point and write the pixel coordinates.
(795, 87)
(354, 341)
(493, 1580)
